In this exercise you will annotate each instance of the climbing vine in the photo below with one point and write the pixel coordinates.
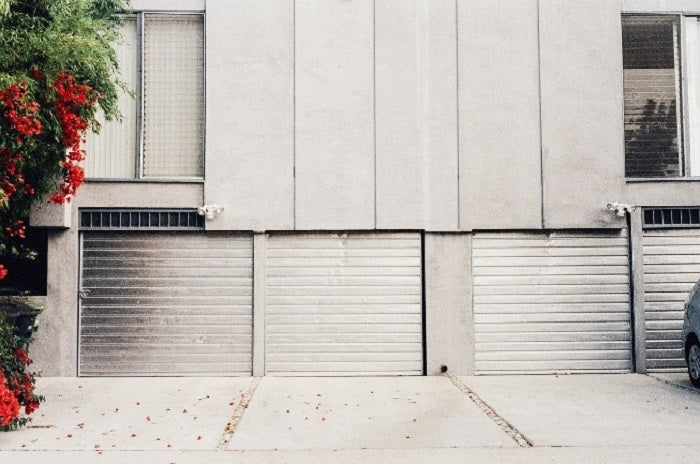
(58, 72)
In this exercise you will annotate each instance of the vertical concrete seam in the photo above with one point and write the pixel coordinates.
(459, 190)
(504, 425)
(237, 414)
(294, 115)
(539, 106)
(424, 305)
(374, 102)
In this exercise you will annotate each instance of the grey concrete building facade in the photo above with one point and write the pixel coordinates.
(393, 187)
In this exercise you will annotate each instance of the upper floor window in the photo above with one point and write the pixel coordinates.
(661, 61)
(161, 134)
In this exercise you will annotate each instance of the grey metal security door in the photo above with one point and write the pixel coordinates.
(556, 302)
(671, 268)
(165, 304)
(344, 304)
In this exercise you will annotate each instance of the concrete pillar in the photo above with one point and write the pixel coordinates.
(448, 300)
(55, 345)
(259, 277)
(637, 278)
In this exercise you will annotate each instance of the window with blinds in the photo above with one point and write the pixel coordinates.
(651, 62)
(661, 61)
(161, 134)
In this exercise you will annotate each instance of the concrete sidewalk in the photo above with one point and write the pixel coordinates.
(577, 418)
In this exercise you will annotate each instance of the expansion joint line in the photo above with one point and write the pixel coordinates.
(237, 415)
(511, 431)
(672, 384)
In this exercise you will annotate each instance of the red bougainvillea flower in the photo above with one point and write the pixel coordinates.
(19, 113)
(3, 271)
(31, 407)
(9, 406)
(16, 229)
(37, 74)
(16, 383)
(20, 122)
(72, 98)
(22, 357)
(23, 387)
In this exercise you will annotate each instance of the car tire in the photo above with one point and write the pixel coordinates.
(694, 362)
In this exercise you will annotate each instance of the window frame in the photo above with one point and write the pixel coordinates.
(683, 103)
(138, 177)
(681, 93)
(685, 98)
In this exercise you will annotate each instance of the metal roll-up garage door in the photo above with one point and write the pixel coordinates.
(556, 302)
(340, 304)
(671, 268)
(165, 304)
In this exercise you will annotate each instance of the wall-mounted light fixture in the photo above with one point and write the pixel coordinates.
(620, 208)
(210, 211)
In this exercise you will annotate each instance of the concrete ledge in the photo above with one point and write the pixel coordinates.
(45, 214)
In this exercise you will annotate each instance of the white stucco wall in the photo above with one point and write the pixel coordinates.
(500, 182)
(439, 115)
(416, 114)
(250, 113)
(582, 126)
(334, 119)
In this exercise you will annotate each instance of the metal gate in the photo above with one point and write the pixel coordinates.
(671, 268)
(344, 304)
(551, 302)
(165, 304)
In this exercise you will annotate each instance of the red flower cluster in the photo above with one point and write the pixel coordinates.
(16, 229)
(16, 382)
(9, 406)
(21, 121)
(71, 99)
(24, 390)
(22, 357)
(11, 176)
(20, 113)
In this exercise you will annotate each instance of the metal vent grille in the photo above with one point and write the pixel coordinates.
(671, 218)
(147, 219)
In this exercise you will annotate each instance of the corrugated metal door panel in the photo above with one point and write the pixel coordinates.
(166, 304)
(555, 302)
(671, 268)
(344, 304)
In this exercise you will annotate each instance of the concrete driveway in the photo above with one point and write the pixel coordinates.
(576, 418)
